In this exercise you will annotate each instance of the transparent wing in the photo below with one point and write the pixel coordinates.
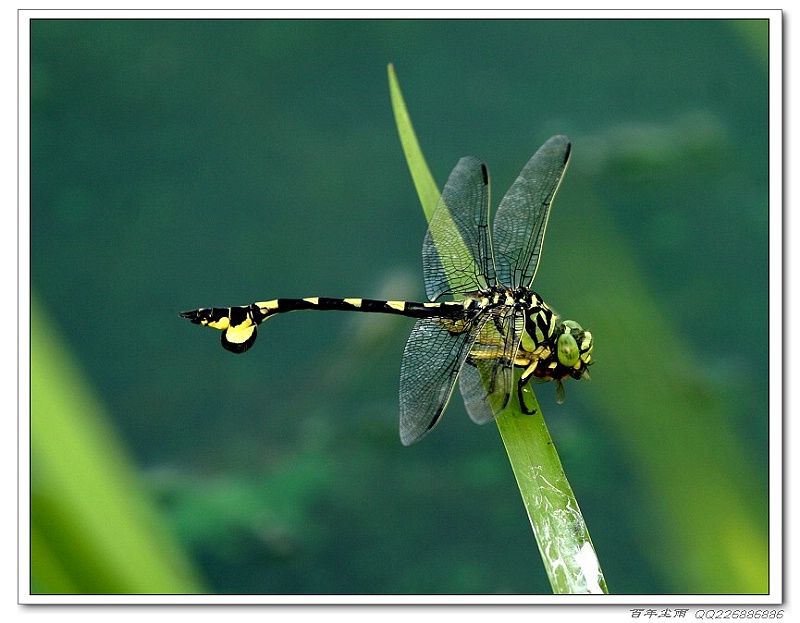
(433, 356)
(521, 218)
(456, 252)
(487, 380)
(476, 400)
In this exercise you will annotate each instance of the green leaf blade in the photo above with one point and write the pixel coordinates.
(561, 533)
(427, 189)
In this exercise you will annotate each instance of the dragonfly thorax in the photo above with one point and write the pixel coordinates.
(520, 298)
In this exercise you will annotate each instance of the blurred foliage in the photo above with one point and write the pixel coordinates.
(182, 163)
(93, 528)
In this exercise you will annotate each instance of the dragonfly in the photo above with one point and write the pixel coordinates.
(482, 326)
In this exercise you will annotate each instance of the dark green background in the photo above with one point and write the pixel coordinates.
(180, 164)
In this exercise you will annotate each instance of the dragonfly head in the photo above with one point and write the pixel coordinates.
(574, 348)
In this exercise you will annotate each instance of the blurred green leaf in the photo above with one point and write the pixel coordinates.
(652, 392)
(94, 530)
(755, 33)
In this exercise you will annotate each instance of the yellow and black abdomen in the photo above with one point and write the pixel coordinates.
(239, 325)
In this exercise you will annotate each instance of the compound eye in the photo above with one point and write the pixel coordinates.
(568, 352)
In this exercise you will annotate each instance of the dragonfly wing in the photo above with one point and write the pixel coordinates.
(433, 356)
(521, 218)
(487, 380)
(476, 398)
(456, 252)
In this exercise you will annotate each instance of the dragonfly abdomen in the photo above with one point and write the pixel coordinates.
(239, 325)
